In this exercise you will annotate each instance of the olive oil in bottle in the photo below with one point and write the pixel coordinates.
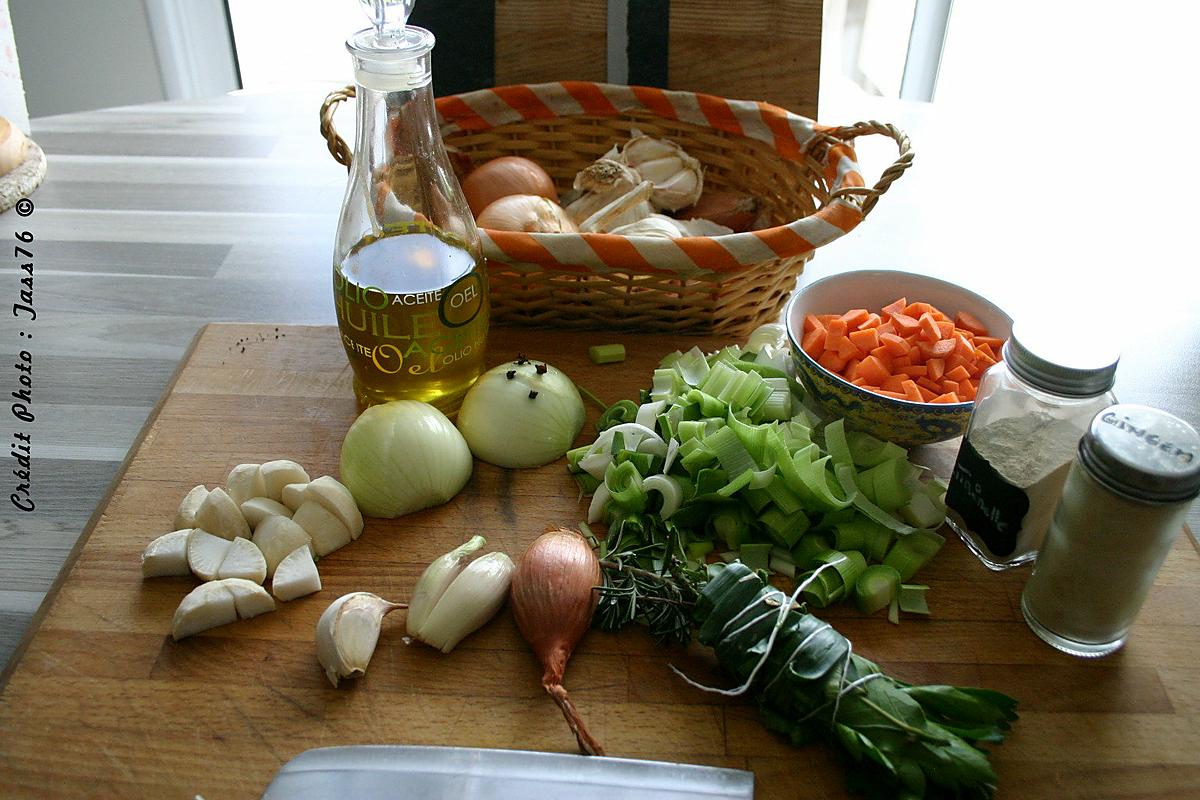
(413, 313)
(409, 284)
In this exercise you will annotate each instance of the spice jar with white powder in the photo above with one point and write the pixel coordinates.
(1030, 411)
(1136, 472)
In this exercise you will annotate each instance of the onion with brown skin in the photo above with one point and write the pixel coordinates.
(503, 176)
(528, 213)
(553, 597)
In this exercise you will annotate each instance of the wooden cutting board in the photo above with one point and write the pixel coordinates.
(104, 704)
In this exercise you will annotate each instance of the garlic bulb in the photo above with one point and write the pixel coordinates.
(701, 227)
(601, 182)
(629, 207)
(677, 177)
(529, 213)
(348, 632)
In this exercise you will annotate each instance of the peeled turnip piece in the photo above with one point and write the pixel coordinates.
(328, 534)
(245, 481)
(185, 517)
(166, 555)
(336, 498)
(207, 606)
(293, 495)
(278, 536)
(278, 474)
(220, 516)
(205, 553)
(296, 575)
(243, 560)
(256, 509)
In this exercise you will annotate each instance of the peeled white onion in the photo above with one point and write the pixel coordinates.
(403, 456)
(521, 414)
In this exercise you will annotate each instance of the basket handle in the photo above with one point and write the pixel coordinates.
(337, 145)
(847, 133)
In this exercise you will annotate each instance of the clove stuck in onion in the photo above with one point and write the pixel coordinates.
(553, 597)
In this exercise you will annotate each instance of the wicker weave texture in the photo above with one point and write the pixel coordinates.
(726, 303)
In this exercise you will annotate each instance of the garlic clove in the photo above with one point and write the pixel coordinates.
(642, 148)
(245, 481)
(292, 495)
(296, 575)
(654, 225)
(220, 516)
(207, 606)
(205, 553)
(278, 474)
(327, 532)
(249, 598)
(166, 555)
(701, 227)
(347, 633)
(629, 207)
(335, 497)
(185, 517)
(256, 509)
(470, 601)
(243, 559)
(433, 582)
(278, 536)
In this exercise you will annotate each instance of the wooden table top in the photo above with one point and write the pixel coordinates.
(103, 703)
(154, 220)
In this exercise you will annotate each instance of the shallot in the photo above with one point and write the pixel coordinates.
(553, 597)
(503, 176)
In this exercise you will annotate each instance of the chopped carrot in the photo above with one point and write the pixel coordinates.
(873, 320)
(813, 342)
(855, 317)
(846, 349)
(932, 386)
(831, 361)
(911, 351)
(894, 307)
(929, 327)
(939, 349)
(873, 370)
(959, 373)
(969, 322)
(905, 324)
(865, 340)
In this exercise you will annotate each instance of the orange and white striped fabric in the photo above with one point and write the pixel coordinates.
(789, 134)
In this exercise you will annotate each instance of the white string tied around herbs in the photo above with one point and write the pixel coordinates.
(784, 608)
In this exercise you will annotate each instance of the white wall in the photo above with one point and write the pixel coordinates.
(84, 54)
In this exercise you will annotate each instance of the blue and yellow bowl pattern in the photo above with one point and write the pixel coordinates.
(900, 421)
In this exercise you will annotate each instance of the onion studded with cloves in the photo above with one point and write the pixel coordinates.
(553, 596)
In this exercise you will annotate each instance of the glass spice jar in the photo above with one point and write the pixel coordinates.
(1031, 408)
(1129, 488)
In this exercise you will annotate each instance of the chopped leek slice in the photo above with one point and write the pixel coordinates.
(912, 599)
(867, 451)
(923, 512)
(625, 487)
(888, 481)
(698, 550)
(755, 556)
(669, 488)
(912, 551)
(618, 412)
(845, 476)
(648, 413)
(808, 547)
(692, 367)
(835, 443)
(606, 353)
(876, 588)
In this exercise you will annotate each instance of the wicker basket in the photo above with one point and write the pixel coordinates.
(806, 173)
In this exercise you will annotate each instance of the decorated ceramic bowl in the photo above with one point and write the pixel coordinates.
(904, 422)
